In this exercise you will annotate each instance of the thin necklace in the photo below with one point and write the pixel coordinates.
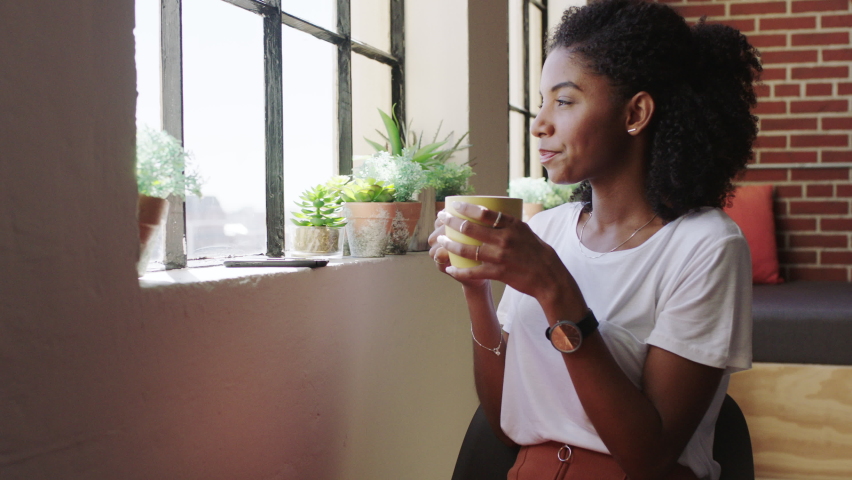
(617, 246)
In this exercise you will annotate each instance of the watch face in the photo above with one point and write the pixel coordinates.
(566, 337)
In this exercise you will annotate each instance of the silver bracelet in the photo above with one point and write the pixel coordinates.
(495, 350)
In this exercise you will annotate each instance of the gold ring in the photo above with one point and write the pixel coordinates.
(477, 252)
(441, 263)
(499, 216)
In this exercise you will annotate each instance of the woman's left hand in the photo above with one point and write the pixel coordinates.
(511, 253)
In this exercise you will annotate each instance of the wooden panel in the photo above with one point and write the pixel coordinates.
(799, 418)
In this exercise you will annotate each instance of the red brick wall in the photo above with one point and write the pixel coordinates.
(805, 122)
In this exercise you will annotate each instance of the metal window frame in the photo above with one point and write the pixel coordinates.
(274, 19)
(171, 114)
(526, 108)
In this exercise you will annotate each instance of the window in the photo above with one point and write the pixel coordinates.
(527, 37)
(269, 97)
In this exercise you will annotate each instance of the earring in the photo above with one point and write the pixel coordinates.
(631, 130)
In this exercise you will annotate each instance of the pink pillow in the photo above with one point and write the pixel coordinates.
(751, 209)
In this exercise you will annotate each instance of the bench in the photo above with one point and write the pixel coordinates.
(798, 397)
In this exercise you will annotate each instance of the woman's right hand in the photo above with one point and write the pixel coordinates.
(442, 257)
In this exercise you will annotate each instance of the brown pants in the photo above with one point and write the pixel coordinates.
(554, 461)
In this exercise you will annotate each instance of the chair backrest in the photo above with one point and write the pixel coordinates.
(484, 457)
(732, 443)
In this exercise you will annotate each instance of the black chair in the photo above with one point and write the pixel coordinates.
(484, 457)
(732, 443)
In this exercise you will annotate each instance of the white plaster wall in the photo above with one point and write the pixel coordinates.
(356, 371)
(488, 79)
(436, 51)
(261, 378)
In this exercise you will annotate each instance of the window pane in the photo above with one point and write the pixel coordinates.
(516, 53)
(224, 128)
(322, 13)
(147, 33)
(536, 52)
(371, 22)
(147, 36)
(516, 145)
(536, 56)
(371, 90)
(536, 170)
(310, 113)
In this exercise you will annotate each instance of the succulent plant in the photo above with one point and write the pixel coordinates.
(337, 182)
(367, 190)
(320, 207)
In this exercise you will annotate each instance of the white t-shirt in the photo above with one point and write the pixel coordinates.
(687, 290)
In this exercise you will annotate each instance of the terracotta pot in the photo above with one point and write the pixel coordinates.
(439, 206)
(404, 227)
(150, 213)
(530, 209)
(368, 227)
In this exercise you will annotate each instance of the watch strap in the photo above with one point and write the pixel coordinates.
(588, 324)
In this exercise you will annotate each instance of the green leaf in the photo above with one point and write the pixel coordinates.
(425, 153)
(393, 133)
(379, 148)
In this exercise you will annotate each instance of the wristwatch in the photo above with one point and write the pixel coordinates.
(567, 336)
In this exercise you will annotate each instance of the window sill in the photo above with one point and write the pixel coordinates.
(220, 273)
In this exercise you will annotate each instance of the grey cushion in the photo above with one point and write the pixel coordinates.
(803, 322)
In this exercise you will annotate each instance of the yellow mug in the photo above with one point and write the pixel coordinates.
(507, 205)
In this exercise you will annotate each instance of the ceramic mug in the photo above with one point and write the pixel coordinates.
(507, 205)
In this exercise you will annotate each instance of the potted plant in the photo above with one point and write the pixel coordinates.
(539, 194)
(317, 229)
(369, 211)
(412, 227)
(399, 137)
(408, 178)
(162, 172)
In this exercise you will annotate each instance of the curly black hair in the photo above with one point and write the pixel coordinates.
(701, 79)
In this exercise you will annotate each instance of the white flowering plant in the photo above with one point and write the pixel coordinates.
(407, 176)
(163, 167)
(450, 179)
(540, 190)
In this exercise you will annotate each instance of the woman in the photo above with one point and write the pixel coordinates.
(653, 117)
